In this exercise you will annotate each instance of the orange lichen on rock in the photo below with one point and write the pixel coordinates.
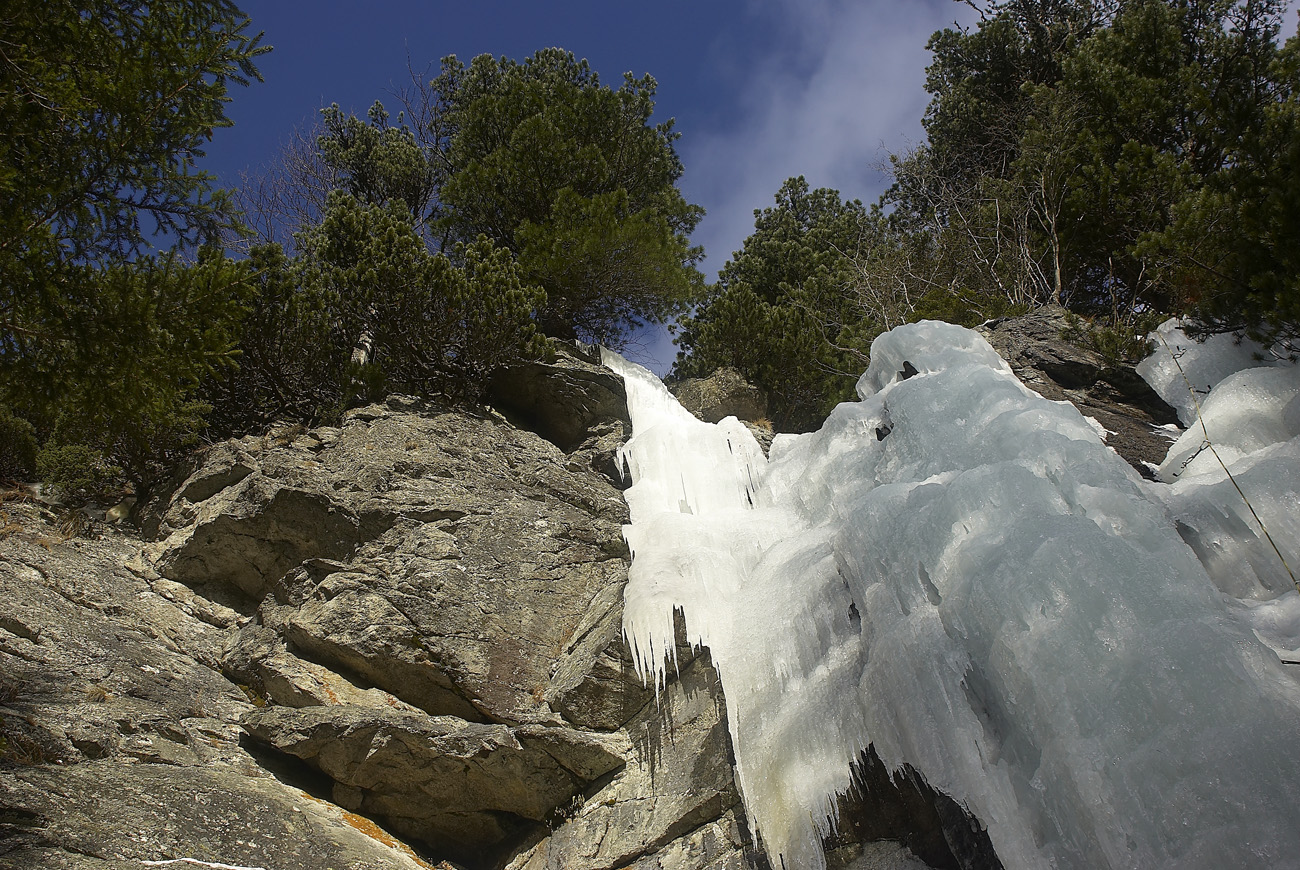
(329, 693)
(374, 832)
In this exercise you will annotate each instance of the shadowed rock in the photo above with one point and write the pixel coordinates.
(464, 786)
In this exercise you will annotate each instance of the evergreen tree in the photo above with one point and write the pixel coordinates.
(416, 320)
(779, 313)
(571, 177)
(377, 162)
(104, 331)
(1120, 158)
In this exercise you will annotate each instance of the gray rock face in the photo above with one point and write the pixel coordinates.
(1115, 396)
(675, 803)
(413, 619)
(461, 787)
(725, 393)
(591, 686)
(119, 737)
(100, 814)
(575, 403)
(443, 558)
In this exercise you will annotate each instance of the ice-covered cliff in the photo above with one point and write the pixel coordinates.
(960, 573)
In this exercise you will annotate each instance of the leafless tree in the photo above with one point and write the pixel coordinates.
(287, 195)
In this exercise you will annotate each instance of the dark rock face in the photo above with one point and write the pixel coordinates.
(575, 403)
(902, 807)
(1115, 396)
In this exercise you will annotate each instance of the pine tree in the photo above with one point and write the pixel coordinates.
(572, 178)
(106, 319)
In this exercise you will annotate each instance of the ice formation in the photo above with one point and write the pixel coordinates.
(1178, 362)
(1250, 414)
(959, 572)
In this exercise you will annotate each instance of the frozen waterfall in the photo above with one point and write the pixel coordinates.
(960, 573)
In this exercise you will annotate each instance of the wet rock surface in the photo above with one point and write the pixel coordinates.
(901, 807)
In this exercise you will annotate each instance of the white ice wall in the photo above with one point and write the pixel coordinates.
(959, 572)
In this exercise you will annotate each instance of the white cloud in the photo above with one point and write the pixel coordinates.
(844, 88)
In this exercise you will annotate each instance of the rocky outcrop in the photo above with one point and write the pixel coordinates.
(575, 403)
(726, 393)
(120, 739)
(464, 788)
(1132, 415)
(675, 803)
(403, 632)
(445, 558)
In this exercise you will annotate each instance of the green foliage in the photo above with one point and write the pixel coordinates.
(106, 107)
(17, 447)
(377, 296)
(123, 352)
(78, 472)
(591, 245)
(781, 314)
(541, 158)
(1120, 338)
(1232, 248)
(1138, 152)
(807, 237)
(980, 79)
(963, 307)
(779, 348)
(286, 367)
(377, 163)
(1124, 158)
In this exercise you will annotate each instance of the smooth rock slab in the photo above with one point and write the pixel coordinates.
(107, 815)
(462, 787)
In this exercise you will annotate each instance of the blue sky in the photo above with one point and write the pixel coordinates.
(761, 89)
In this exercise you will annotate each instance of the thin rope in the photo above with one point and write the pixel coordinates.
(1200, 419)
